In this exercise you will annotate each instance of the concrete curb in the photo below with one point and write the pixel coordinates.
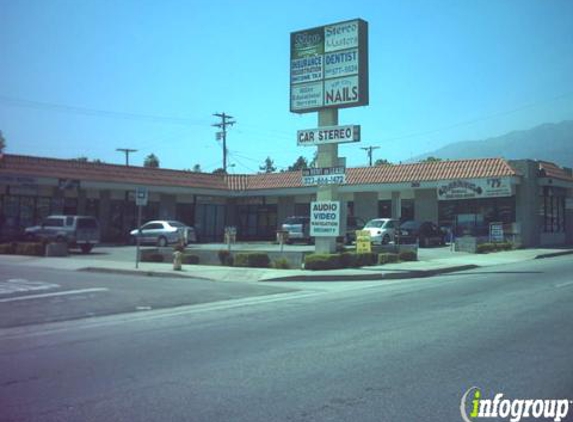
(554, 254)
(144, 273)
(375, 276)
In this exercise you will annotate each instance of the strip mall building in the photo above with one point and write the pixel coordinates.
(533, 199)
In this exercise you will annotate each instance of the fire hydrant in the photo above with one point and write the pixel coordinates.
(177, 260)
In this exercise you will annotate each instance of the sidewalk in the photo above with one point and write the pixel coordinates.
(425, 268)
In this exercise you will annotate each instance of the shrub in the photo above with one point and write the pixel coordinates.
(322, 262)
(281, 263)
(365, 259)
(190, 259)
(504, 246)
(485, 248)
(8, 248)
(408, 256)
(387, 258)
(225, 257)
(30, 248)
(348, 260)
(254, 259)
(151, 257)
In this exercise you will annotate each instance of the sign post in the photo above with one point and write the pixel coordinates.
(141, 198)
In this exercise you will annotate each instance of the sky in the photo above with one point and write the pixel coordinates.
(81, 78)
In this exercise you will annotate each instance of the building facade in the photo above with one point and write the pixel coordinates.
(532, 200)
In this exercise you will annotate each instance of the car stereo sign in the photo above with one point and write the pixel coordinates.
(329, 67)
(328, 135)
(325, 218)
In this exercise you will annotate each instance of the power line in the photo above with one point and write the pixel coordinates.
(65, 108)
(225, 121)
(369, 152)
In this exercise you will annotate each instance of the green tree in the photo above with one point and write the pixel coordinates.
(196, 168)
(268, 166)
(219, 171)
(82, 159)
(2, 142)
(431, 159)
(383, 162)
(151, 161)
(301, 163)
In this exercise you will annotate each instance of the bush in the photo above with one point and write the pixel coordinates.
(190, 259)
(8, 248)
(225, 257)
(151, 257)
(504, 246)
(281, 263)
(254, 259)
(348, 260)
(408, 256)
(322, 262)
(494, 247)
(387, 258)
(30, 248)
(365, 259)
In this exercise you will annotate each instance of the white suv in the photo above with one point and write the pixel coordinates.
(382, 230)
(75, 230)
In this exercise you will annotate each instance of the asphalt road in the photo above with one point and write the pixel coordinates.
(32, 295)
(397, 351)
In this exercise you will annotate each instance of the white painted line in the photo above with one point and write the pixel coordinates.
(66, 293)
(567, 283)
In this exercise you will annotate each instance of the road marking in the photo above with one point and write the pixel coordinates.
(22, 285)
(66, 293)
(567, 283)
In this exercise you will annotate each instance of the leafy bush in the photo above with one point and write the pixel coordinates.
(30, 248)
(190, 259)
(322, 262)
(281, 263)
(225, 257)
(348, 260)
(408, 256)
(387, 258)
(151, 257)
(494, 247)
(8, 248)
(253, 259)
(365, 259)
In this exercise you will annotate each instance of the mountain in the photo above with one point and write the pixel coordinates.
(549, 142)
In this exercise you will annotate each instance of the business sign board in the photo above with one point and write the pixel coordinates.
(474, 188)
(141, 196)
(496, 232)
(329, 67)
(325, 218)
(363, 241)
(324, 176)
(328, 135)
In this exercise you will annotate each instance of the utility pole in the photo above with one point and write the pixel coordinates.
(225, 121)
(369, 152)
(126, 151)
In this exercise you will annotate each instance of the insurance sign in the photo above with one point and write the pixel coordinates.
(325, 218)
(329, 67)
(328, 135)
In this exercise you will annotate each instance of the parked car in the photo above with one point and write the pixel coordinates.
(382, 230)
(163, 233)
(76, 230)
(298, 228)
(425, 233)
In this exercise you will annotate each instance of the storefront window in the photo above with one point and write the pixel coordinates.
(385, 209)
(552, 211)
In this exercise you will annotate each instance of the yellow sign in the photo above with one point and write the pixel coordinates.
(363, 243)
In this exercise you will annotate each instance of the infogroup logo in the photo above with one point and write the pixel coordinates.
(473, 407)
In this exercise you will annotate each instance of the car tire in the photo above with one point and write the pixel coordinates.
(162, 242)
(86, 248)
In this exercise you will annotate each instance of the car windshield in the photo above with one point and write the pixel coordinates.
(375, 224)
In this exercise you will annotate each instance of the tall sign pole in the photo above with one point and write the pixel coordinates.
(328, 71)
(141, 198)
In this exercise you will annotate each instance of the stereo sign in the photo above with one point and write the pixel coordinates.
(329, 67)
(328, 135)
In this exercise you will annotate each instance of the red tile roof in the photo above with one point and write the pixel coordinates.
(547, 169)
(402, 173)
